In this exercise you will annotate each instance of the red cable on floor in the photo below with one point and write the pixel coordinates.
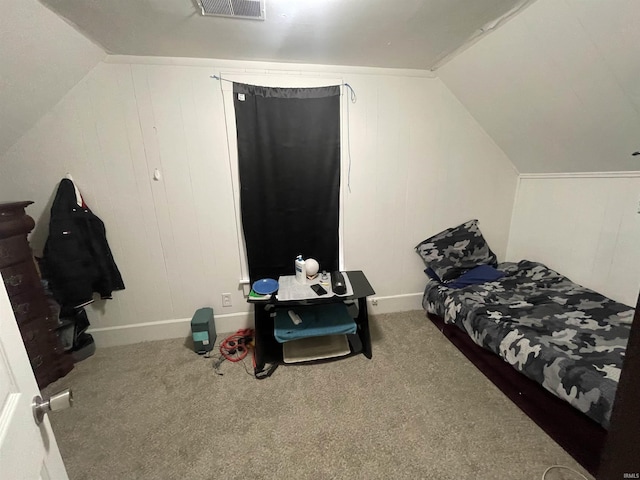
(236, 347)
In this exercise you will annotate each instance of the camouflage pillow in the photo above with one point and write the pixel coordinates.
(454, 251)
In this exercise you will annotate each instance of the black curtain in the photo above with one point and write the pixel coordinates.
(289, 168)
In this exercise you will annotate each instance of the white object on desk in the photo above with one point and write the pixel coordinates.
(311, 266)
(290, 289)
(301, 270)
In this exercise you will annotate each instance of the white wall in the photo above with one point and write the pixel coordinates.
(558, 86)
(586, 227)
(41, 58)
(420, 163)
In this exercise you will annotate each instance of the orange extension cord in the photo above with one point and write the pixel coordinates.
(236, 347)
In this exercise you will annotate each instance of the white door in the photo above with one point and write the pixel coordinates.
(27, 451)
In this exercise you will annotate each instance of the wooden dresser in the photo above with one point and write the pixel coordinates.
(35, 313)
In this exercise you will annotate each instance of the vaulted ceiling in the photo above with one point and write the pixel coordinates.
(405, 34)
(41, 58)
(46, 51)
(557, 86)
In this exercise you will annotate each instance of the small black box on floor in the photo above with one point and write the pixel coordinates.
(203, 330)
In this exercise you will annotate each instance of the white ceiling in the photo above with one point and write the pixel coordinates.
(382, 33)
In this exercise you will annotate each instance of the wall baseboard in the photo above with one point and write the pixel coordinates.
(165, 329)
(394, 303)
(181, 327)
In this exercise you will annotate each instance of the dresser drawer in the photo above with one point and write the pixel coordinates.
(35, 313)
(39, 350)
(39, 339)
(48, 367)
(20, 277)
(47, 356)
(14, 250)
(29, 304)
(35, 331)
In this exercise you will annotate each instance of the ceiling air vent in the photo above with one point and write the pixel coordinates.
(250, 9)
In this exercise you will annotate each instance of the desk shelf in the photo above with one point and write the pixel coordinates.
(268, 351)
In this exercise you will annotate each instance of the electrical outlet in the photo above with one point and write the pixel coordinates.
(374, 302)
(226, 299)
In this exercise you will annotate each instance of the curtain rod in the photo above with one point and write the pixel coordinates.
(353, 96)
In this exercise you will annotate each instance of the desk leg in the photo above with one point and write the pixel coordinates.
(260, 319)
(267, 350)
(363, 322)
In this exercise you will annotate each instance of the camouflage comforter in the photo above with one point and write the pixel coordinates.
(566, 337)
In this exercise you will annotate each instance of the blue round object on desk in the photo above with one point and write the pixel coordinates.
(265, 286)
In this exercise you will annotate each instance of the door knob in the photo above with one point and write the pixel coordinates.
(58, 401)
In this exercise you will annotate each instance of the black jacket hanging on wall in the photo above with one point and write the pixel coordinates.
(77, 257)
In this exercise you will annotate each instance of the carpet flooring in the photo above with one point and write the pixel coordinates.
(417, 410)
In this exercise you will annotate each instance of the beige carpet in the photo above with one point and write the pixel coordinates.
(418, 409)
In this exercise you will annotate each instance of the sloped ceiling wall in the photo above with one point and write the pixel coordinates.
(41, 58)
(558, 86)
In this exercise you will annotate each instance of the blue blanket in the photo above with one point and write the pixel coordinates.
(317, 320)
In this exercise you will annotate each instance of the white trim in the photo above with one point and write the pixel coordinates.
(165, 329)
(395, 303)
(232, 322)
(232, 158)
(507, 253)
(267, 67)
(534, 176)
(345, 165)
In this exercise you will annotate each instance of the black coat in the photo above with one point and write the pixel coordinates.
(77, 257)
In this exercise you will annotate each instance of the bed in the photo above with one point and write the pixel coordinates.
(554, 347)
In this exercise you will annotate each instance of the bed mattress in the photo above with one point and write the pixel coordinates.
(566, 337)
